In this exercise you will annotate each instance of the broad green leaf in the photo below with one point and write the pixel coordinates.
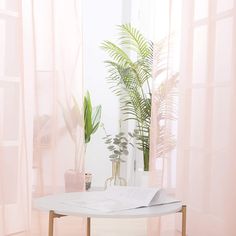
(87, 117)
(96, 118)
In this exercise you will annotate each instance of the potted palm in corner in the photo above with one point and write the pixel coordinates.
(74, 179)
(130, 69)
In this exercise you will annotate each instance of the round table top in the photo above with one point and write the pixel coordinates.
(58, 203)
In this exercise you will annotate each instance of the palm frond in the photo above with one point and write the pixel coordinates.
(116, 53)
(130, 79)
(132, 39)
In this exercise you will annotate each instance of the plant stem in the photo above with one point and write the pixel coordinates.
(149, 88)
(146, 159)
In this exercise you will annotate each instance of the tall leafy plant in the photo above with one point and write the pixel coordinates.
(74, 121)
(92, 117)
(130, 70)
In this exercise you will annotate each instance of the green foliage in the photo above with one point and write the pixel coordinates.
(92, 117)
(117, 145)
(130, 79)
(73, 118)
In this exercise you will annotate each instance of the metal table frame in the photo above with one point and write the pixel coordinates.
(53, 215)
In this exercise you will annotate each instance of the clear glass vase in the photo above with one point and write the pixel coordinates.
(115, 179)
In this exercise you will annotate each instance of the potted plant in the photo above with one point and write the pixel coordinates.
(74, 122)
(92, 118)
(131, 75)
(117, 145)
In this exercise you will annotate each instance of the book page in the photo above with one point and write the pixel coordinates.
(161, 198)
(139, 195)
(114, 199)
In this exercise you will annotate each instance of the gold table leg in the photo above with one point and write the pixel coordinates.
(52, 215)
(51, 222)
(184, 218)
(88, 226)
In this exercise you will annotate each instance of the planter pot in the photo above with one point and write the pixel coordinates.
(74, 181)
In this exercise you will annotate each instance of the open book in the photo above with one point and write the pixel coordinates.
(122, 198)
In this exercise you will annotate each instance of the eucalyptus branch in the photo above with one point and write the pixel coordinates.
(117, 145)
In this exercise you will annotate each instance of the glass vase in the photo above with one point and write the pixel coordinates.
(115, 179)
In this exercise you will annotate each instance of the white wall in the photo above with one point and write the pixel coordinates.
(99, 23)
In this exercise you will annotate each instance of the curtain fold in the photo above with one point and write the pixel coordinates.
(41, 68)
(160, 22)
(204, 164)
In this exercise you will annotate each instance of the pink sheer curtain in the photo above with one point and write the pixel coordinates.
(205, 166)
(166, 22)
(41, 67)
(16, 121)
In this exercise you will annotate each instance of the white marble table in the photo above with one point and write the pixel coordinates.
(57, 207)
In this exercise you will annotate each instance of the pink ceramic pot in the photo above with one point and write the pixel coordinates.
(74, 181)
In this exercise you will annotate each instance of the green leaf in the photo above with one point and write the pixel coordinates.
(134, 40)
(113, 156)
(130, 78)
(88, 127)
(92, 117)
(117, 152)
(96, 118)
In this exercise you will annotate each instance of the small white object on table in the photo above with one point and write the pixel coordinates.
(60, 205)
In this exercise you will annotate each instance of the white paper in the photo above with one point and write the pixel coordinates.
(137, 195)
(120, 198)
(162, 198)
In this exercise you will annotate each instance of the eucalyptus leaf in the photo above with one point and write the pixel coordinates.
(117, 152)
(113, 156)
(111, 147)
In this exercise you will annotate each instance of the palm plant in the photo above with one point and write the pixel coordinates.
(130, 72)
